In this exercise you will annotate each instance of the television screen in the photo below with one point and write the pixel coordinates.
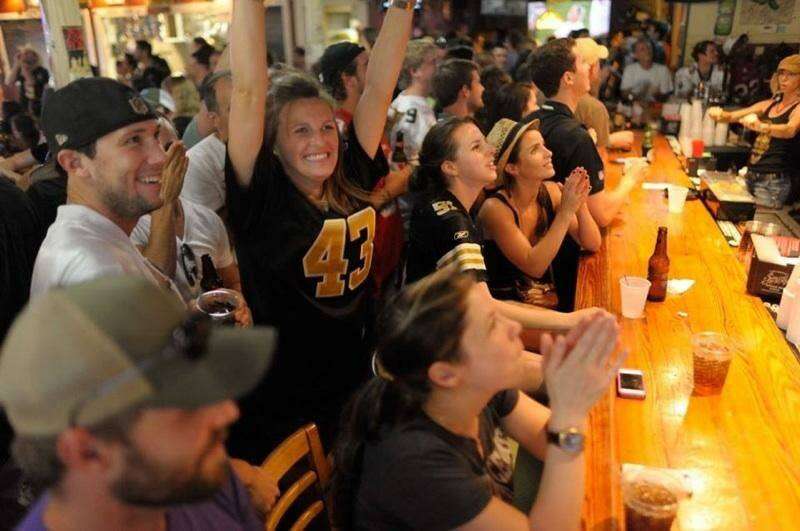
(559, 18)
(509, 8)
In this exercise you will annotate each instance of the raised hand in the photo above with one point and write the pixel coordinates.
(173, 172)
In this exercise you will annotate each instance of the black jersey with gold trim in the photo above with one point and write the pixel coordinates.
(441, 234)
(295, 257)
(305, 271)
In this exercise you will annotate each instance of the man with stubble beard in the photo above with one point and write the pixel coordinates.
(104, 137)
(120, 401)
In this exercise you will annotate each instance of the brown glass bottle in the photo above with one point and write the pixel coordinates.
(658, 268)
(399, 153)
(211, 280)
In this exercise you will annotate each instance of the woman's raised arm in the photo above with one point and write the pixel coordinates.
(248, 55)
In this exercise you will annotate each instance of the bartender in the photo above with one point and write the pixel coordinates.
(773, 174)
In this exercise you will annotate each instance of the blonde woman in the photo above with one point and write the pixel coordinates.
(775, 158)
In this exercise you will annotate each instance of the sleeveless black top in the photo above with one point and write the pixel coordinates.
(507, 281)
(779, 155)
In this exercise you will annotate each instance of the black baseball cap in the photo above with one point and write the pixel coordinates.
(89, 108)
(335, 59)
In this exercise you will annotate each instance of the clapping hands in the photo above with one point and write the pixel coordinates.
(575, 190)
(579, 366)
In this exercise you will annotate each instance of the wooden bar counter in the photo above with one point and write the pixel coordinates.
(740, 448)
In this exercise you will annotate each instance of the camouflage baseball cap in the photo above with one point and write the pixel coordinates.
(82, 354)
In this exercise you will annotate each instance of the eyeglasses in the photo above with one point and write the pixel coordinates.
(188, 341)
(189, 264)
(786, 73)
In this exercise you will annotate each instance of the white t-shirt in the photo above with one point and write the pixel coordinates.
(204, 183)
(688, 78)
(82, 245)
(646, 83)
(413, 116)
(203, 233)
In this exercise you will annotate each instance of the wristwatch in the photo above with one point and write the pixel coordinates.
(570, 440)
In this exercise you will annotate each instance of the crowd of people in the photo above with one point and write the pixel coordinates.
(394, 218)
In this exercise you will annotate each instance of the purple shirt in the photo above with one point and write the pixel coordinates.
(230, 509)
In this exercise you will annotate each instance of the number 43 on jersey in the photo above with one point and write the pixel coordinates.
(326, 257)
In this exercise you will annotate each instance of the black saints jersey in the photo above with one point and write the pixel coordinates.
(306, 272)
(442, 233)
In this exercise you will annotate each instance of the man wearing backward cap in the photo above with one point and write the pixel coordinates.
(774, 167)
(104, 137)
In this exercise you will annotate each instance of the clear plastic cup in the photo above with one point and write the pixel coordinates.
(633, 292)
(711, 355)
(677, 198)
(651, 500)
(221, 304)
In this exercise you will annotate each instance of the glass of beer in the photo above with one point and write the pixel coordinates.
(651, 500)
(712, 354)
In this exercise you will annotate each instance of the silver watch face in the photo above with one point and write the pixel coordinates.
(571, 441)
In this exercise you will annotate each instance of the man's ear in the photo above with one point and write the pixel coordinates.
(464, 92)
(567, 79)
(72, 162)
(78, 449)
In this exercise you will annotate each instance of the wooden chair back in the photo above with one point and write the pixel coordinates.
(302, 444)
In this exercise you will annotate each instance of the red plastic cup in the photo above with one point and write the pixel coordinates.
(697, 147)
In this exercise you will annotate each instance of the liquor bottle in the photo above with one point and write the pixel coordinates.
(658, 268)
(211, 280)
(399, 153)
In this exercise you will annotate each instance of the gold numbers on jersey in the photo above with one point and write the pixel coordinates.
(325, 259)
(362, 222)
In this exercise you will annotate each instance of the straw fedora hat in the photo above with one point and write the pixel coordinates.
(504, 136)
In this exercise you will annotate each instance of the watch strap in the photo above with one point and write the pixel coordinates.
(406, 5)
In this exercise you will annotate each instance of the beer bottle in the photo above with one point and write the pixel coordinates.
(399, 153)
(658, 268)
(211, 280)
(647, 140)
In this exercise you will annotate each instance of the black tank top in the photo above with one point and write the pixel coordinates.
(507, 281)
(779, 155)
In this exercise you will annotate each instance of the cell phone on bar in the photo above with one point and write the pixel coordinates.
(630, 384)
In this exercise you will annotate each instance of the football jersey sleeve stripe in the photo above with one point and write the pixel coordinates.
(466, 256)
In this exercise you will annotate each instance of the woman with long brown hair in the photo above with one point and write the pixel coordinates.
(456, 164)
(303, 226)
(416, 444)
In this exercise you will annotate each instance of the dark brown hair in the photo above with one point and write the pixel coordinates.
(423, 324)
(450, 77)
(550, 62)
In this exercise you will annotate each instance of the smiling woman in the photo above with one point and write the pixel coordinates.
(456, 163)
(302, 226)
